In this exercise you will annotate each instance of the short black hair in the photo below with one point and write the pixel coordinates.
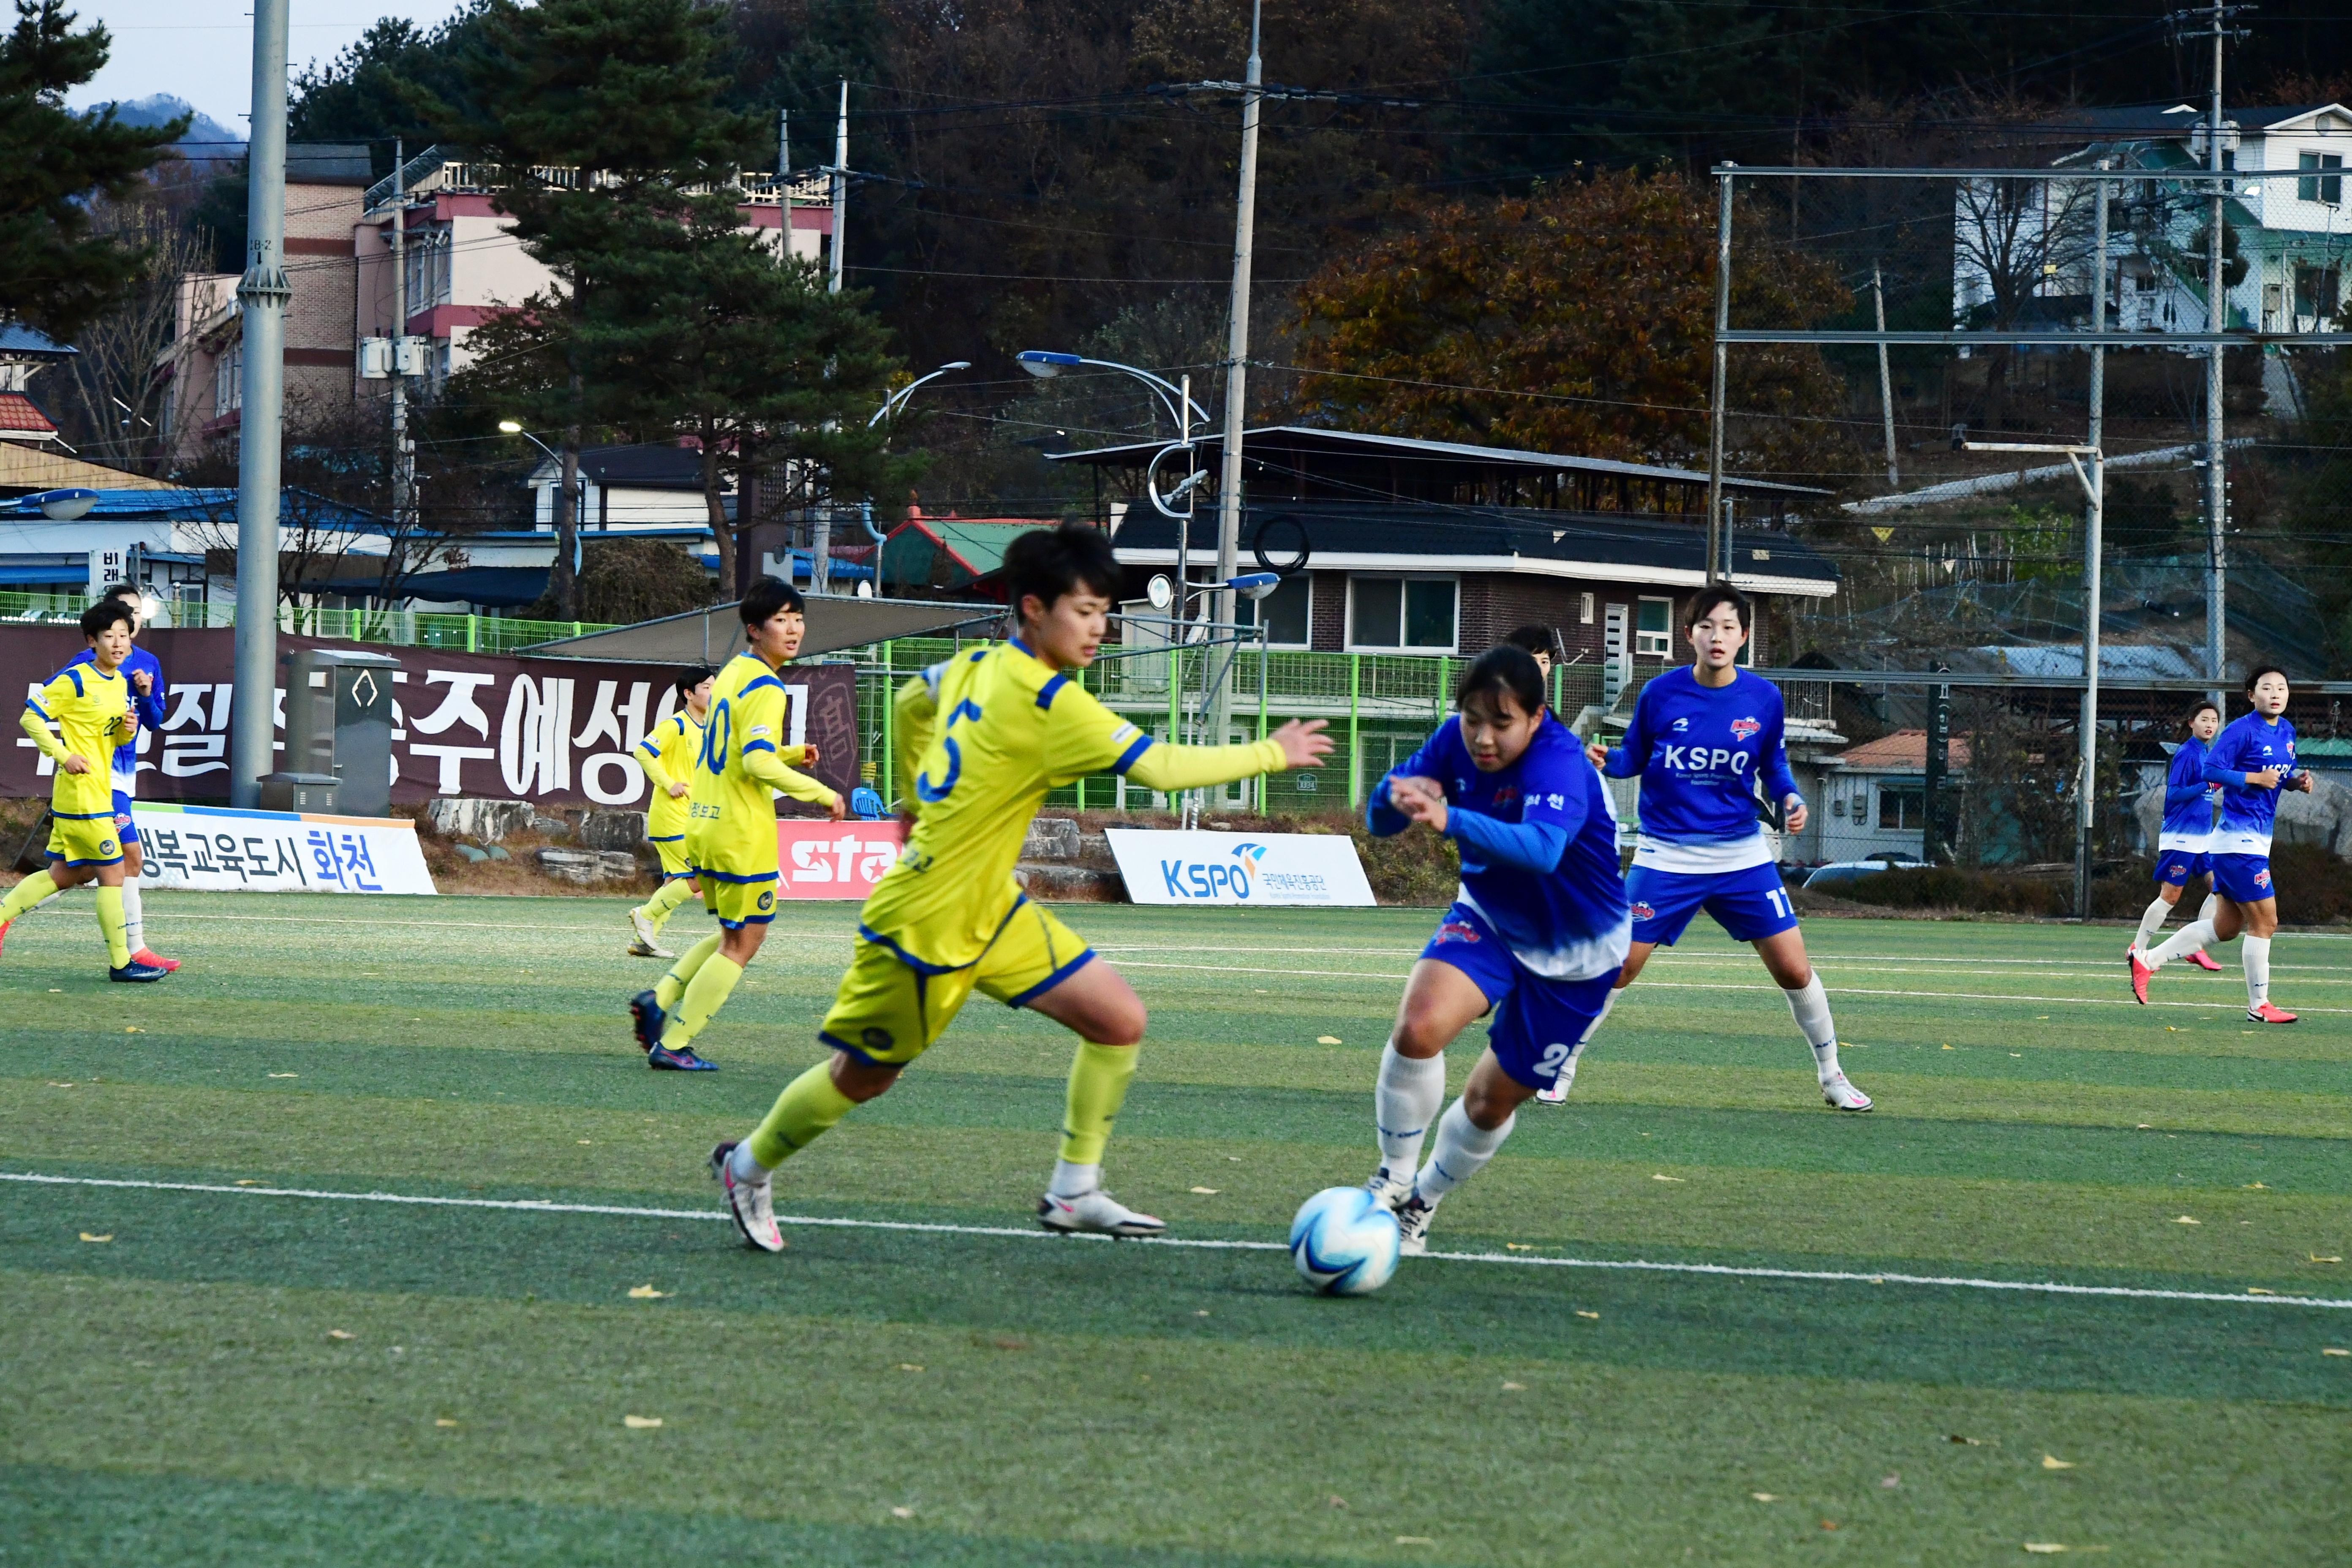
(1703, 603)
(2200, 706)
(766, 597)
(129, 591)
(692, 676)
(104, 614)
(1508, 669)
(2255, 674)
(1052, 561)
(1536, 639)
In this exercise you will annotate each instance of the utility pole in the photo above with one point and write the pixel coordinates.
(1722, 370)
(784, 161)
(262, 295)
(1229, 478)
(840, 188)
(404, 455)
(2217, 317)
(1885, 375)
(2094, 529)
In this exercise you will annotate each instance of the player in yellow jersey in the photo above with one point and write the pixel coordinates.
(731, 828)
(667, 755)
(985, 735)
(90, 705)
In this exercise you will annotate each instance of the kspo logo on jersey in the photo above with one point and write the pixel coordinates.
(1642, 912)
(1746, 728)
(2262, 878)
(1456, 931)
(1705, 760)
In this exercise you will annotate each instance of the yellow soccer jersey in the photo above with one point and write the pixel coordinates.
(668, 755)
(93, 707)
(741, 762)
(984, 736)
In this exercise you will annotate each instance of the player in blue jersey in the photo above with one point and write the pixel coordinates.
(2252, 760)
(2184, 847)
(1535, 938)
(148, 694)
(1700, 740)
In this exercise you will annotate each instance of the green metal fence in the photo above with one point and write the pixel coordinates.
(388, 628)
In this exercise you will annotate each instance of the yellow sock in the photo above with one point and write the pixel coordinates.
(110, 921)
(705, 993)
(673, 986)
(808, 1107)
(25, 894)
(664, 903)
(1099, 1078)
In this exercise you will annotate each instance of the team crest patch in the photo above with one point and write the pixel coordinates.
(876, 1040)
(1457, 930)
(106, 846)
(1642, 912)
(1742, 729)
(2262, 879)
(2176, 870)
(767, 900)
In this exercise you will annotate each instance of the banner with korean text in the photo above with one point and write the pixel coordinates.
(552, 732)
(217, 850)
(1266, 870)
(834, 860)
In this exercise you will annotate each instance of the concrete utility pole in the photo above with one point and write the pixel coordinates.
(2094, 531)
(262, 294)
(1885, 375)
(840, 188)
(1229, 475)
(2217, 318)
(1722, 370)
(404, 455)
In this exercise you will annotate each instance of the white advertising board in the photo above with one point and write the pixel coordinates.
(1263, 871)
(218, 850)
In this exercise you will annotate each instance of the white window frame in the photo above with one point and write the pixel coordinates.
(1453, 645)
(1641, 648)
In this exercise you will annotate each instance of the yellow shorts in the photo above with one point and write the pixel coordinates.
(737, 900)
(673, 856)
(889, 1010)
(85, 840)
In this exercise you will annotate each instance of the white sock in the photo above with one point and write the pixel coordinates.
(1463, 1150)
(1073, 1181)
(2212, 907)
(1810, 1006)
(2151, 921)
(134, 919)
(2256, 956)
(2187, 939)
(1406, 1099)
(747, 1170)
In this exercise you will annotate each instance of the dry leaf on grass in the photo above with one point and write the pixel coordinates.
(902, 1513)
(1207, 1192)
(1888, 1483)
(2045, 1546)
(2184, 1219)
(1518, 1246)
(340, 1334)
(1415, 1540)
(286, 1075)
(1971, 1442)
(1766, 1497)
(908, 1366)
(2254, 1187)
(640, 1423)
(1657, 1178)
(1328, 1040)
(648, 1293)
(442, 1421)
(2051, 1462)
(1582, 1313)
(134, 1029)
(108, 1236)
(2317, 1257)
(2332, 1350)
(249, 1182)
(2257, 1290)
(1516, 1387)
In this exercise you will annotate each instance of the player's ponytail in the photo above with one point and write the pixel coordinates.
(1508, 670)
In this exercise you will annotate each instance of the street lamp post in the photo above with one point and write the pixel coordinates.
(821, 527)
(580, 510)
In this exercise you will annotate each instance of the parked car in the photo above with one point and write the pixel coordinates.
(1848, 870)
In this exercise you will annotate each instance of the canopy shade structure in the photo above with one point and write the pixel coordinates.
(950, 554)
(706, 636)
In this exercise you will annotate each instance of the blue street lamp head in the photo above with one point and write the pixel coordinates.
(1254, 584)
(1044, 363)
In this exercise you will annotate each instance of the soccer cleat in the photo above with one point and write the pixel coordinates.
(4, 932)
(2266, 1014)
(648, 940)
(1842, 1095)
(661, 1058)
(647, 1016)
(1413, 1224)
(1388, 1190)
(2140, 972)
(749, 1205)
(1095, 1212)
(2203, 960)
(1557, 1093)
(149, 956)
(137, 974)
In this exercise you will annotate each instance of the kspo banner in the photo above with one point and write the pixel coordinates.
(551, 731)
(1171, 867)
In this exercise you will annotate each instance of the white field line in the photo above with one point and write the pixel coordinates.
(1823, 1276)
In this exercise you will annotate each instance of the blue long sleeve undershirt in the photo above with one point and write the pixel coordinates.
(1525, 845)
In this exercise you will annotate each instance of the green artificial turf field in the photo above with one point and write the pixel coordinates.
(239, 1377)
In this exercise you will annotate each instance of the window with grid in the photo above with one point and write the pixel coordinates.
(1653, 631)
(1902, 805)
(1412, 613)
(1285, 612)
(2319, 177)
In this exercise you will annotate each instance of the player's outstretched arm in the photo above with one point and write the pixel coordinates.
(762, 763)
(1297, 744)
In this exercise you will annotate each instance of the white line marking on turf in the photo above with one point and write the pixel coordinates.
(548, 1205)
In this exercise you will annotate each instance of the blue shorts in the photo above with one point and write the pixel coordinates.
(2244, 879)
(2177, 868)
(1538, 1023)
(124, 828)
(1749, 904)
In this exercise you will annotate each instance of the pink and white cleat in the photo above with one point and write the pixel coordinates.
(2202, 959)
(148, 956)
(2139, 974)
(2266, 1014)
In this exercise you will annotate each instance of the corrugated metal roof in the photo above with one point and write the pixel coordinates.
(19, 339)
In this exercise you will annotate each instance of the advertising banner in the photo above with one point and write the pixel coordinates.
(216, 850)
(552, 732)
(834, 860)
(1269, 869)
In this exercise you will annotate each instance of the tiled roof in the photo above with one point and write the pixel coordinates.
(1904, 750)
(20, 414)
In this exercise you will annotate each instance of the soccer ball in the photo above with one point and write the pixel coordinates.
(1344, 1242)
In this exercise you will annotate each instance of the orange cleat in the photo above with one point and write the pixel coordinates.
(4, 932)
(148, 956)
(2139, 974)
(2203, 960)
(2266, 1014)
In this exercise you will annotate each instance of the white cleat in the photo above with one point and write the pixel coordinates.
(647, 945)
(749, 1206)
(1389, 1191)
(1096, 1213)
(1413, 1218)
(1843, 1096)
(1557, 1093)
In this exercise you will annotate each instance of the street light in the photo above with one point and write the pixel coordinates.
(579, 511)
(897, 399)
(1046, 364)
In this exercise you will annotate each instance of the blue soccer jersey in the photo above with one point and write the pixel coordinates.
(1539, 846)
(150, 708)
(2249, 744)
(1698, 752)
(2188, 801)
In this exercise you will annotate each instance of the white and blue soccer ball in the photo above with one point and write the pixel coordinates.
(1344, 1242)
